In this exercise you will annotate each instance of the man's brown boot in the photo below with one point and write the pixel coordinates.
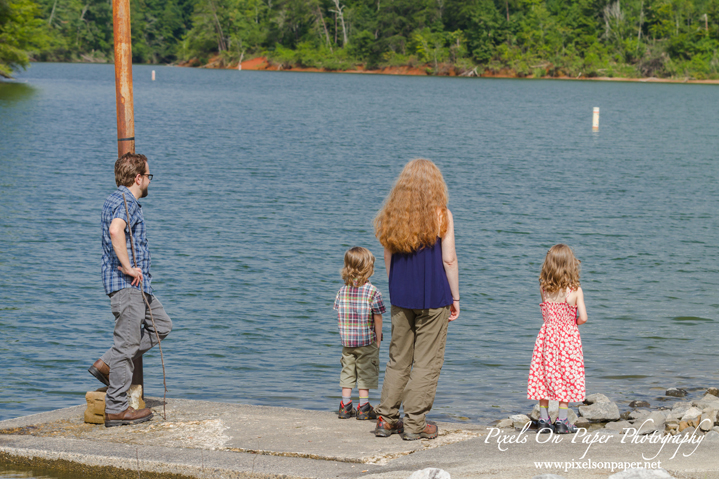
(127, 417)
(101, 371)
(383, 428)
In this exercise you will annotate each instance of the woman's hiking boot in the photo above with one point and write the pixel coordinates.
(563, 426)
(366, 412)
(346, 411)
(384, 429)
(545, 427)
(430, 431)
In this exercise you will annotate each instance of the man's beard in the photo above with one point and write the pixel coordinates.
(144, 192)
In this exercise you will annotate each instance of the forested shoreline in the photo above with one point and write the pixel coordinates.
(524, 38)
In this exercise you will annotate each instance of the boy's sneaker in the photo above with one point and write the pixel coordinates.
(366, 412)
(430, 431)
(383, 428)
(564, 427)
(347, 411)
(545, 427)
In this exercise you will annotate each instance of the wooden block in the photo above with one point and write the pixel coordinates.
(94, 418)
(95, 412)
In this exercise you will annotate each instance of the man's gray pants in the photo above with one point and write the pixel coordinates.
(131, 341)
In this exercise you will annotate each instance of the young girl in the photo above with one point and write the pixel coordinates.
(557, 369)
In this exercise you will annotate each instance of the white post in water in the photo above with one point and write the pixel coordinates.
(153, 75)
(595, 119)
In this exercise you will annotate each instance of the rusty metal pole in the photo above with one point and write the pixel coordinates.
(123, 77)
(125, 111)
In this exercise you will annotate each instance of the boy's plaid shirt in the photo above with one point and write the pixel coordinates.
(355, 307)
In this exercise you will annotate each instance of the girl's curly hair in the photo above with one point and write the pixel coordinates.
(560, 269)
(415, 211)
(359, 266)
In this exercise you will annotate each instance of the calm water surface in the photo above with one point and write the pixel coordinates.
(262, 180)
(21, 472)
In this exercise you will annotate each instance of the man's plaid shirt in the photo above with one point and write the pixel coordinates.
(355, 307)
(112, 278)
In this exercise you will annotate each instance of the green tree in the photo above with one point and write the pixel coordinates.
(21, 31)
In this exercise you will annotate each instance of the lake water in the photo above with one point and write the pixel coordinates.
(263, 179)
(25, 472)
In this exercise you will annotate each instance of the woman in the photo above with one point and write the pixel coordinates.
(417, 232)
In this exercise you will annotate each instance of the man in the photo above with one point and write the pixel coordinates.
(126, 285)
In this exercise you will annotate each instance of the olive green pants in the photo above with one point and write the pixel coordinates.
(360, 366)
(416, 355)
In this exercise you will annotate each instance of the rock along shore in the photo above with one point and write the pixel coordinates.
(203, 439)
(698, 417)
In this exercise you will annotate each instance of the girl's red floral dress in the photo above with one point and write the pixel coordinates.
(557, 369)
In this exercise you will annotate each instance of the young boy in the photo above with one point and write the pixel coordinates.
(359, 310)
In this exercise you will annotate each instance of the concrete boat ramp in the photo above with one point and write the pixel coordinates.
(203, 439)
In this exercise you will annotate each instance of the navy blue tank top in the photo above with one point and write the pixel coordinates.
(418, 281)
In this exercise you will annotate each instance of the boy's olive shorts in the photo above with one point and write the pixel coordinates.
(361, 366)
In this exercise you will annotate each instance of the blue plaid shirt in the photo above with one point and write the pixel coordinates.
(112, 278)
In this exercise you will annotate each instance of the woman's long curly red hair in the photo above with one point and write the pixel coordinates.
(560, 269)
(415, 211)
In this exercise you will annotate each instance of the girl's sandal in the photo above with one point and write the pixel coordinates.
(545, 427)
(563, 426)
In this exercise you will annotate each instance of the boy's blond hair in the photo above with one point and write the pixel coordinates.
(359, 266)
(560, 269)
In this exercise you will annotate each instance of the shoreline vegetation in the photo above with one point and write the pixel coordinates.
(675, 40)
(263, 63)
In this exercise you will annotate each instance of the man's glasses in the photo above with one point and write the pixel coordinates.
(149, 176)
